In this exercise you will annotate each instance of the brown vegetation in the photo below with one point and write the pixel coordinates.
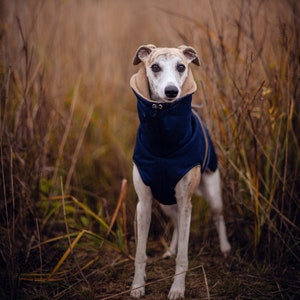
(68, 123)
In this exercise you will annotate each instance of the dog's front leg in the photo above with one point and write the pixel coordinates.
(184, 219)
(184, 190)
(143, 215)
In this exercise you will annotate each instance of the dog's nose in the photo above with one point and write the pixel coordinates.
(171, 91)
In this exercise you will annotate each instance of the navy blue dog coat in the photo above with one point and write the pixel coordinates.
(171, 140)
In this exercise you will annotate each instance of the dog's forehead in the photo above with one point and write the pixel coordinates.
(165, 53)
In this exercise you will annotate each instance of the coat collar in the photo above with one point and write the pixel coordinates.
(154, 107)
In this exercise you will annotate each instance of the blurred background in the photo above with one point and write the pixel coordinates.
(68, 123)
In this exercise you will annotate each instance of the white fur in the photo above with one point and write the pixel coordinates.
(180, 213)
(167, 77)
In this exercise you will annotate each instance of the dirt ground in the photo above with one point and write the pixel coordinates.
(210, 276)
(240, 276)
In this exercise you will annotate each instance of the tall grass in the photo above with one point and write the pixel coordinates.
(255, 87)
(68, 125)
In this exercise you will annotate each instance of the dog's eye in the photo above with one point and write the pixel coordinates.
(181, 68)
(155, 68)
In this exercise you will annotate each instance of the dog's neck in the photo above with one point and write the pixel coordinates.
(165, 126)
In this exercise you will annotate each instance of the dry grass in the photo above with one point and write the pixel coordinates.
(68, 123)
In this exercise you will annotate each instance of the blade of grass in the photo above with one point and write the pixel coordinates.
(78, 147)
(66, 254)
(67, 130)
(86, 209)
(121, 199)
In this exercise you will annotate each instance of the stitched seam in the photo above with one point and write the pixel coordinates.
(205, 138)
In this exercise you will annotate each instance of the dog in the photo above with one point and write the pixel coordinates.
(173, 157)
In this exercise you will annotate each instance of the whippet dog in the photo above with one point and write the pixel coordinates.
(173, 152)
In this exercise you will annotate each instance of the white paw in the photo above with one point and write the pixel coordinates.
(137, 291)
(168, 254)
(176, 294)
(225, 248)
(177, 290)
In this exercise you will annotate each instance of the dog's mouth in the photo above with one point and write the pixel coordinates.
(166, 97)
(168, 100)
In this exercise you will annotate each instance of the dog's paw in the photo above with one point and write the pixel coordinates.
(225, 248)
(176, 294)
(168, 254)
(177, 290)
(137, 291)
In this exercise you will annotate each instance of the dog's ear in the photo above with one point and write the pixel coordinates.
(190, 53)
(142, 53)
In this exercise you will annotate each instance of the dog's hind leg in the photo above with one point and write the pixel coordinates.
(171, 212)
(210, 187)
(143, 215)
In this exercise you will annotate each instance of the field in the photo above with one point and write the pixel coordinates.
(68, 122)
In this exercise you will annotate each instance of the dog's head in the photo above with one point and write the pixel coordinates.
(166, 69)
